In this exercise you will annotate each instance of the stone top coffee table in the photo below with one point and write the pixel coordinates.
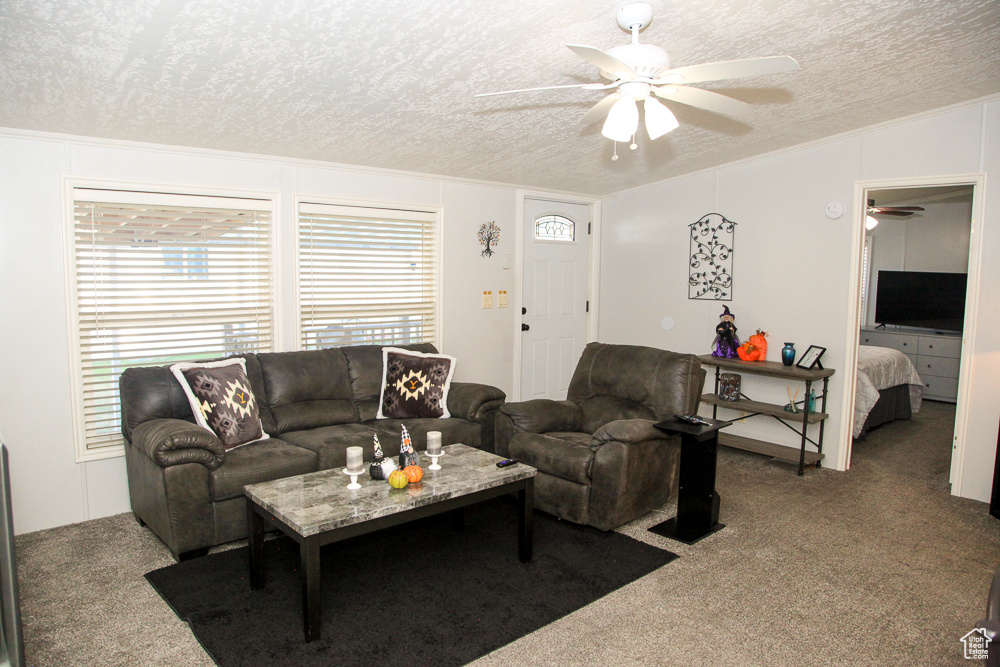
(317, 509)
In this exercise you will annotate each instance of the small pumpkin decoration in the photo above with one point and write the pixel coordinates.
(754, 348)
(407, 456)
(398, 479)
(414, 473)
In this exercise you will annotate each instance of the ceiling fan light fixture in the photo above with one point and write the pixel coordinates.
(659, 119)
(870, 222)
(622, 120)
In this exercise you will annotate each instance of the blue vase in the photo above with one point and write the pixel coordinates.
(788, 354)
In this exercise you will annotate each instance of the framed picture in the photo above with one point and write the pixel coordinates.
(811, 357)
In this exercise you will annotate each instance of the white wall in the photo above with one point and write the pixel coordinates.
(49, 488)
(792, 264)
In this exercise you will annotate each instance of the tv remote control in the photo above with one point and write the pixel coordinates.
(506, 462)
(692, 419)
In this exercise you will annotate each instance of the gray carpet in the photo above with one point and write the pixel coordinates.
(875, 566)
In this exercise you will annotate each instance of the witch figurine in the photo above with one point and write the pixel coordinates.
(726, 341)
(407, 457)
(380, 466)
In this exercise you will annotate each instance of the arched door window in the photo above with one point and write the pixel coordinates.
(554, 228)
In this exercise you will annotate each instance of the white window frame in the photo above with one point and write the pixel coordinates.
(129, 192)
(374, 208)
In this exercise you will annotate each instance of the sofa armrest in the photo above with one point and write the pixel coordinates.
(469, 400)
(170, 442)
(629, 430)
(543, 415)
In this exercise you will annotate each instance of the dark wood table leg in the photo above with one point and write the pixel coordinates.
(255, 538)
(309, 569)
(525, 519)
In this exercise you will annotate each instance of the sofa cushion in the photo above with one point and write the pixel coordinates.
(330, 443)
(603, 408)
(563, 454)
(259, 462)
(152, 392)
(222, 400)
(307, 389)
(664, 382)
(364, 363)
(452, 430)
(414, 384)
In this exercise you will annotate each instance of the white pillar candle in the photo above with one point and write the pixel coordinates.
(433, 442)
(354, 462)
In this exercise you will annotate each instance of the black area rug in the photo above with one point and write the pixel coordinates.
(424, 593)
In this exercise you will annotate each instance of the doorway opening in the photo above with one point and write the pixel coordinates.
(918, 268)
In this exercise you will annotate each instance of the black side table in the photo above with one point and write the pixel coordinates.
(697, 500)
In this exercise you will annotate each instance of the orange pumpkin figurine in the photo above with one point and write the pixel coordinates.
(755, 347)
(414, 473)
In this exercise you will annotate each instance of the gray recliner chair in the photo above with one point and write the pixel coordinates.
(600, 459)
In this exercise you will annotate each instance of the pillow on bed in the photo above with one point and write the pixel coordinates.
(221, 400)
(414, 384)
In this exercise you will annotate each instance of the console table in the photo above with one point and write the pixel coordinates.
(799, 422)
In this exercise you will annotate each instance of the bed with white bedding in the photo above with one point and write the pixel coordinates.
(888, 388)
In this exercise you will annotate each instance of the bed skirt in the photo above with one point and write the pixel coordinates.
(893, 404)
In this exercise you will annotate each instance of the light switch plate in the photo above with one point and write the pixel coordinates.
(502, 299)
(487, 299)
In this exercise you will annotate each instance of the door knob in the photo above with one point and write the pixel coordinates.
(524, 327)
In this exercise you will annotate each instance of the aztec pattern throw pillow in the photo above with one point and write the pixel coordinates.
(221, 400)
(414, 384)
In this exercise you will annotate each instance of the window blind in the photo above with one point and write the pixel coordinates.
(866, 274)
(366, 275)
(187, 278)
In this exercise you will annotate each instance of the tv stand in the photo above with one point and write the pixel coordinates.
(936, 356)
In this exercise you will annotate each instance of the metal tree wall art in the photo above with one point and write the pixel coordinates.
(711, 271)
(489, 236)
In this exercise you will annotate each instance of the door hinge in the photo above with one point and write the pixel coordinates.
(588, 226)
(588, 306)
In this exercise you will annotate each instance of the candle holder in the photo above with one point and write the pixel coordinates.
(354, 474)
(434, 460)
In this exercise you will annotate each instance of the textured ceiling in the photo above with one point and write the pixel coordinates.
(390, 83)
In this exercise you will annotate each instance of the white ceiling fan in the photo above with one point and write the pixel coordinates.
(636, 71)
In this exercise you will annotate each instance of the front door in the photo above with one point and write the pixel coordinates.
(554, 295)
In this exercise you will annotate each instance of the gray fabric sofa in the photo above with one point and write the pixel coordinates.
(313, 405)
(600, 460)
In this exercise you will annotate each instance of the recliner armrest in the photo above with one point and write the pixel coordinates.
(170, 442)
(629, 430)
(470, 400)
(543, 415)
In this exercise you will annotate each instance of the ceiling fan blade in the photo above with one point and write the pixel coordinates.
(728, 69)
(584, 86)
(604, 60)
(883, 212)
(703, 99)
(599, 110)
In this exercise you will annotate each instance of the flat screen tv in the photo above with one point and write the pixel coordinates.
(921, 299)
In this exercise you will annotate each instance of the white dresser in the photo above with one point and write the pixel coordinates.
(936, 357)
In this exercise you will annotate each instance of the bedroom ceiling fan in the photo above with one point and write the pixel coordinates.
(638, 71)
(873, 210)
